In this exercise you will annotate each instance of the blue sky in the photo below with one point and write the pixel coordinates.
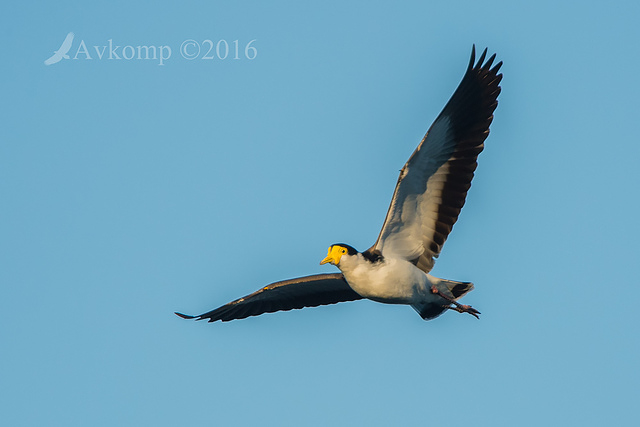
(131, 190)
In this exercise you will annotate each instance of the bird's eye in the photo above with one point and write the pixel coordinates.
(344, 251)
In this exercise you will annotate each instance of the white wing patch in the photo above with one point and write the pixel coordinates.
(412, 216)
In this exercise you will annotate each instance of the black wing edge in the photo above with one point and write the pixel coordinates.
(309, 291)
(472, 105)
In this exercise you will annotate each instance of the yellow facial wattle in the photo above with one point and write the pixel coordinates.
(334, 254)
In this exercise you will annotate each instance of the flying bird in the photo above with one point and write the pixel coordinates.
(427, 200)
(62, 52)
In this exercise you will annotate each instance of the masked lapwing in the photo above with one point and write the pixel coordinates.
(427, 200)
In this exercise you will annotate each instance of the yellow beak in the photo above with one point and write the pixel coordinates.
(327, 260)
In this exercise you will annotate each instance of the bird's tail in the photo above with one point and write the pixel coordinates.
(454, 289)
(449, 288)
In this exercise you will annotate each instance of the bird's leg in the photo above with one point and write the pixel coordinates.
(462, 308)
(456, 306)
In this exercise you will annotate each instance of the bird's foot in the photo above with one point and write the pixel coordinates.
(462, 308)
(454, 305)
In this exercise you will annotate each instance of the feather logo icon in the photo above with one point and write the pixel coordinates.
(61, 53)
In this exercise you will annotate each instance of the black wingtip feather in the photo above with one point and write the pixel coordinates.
(184, 316)
(490, 61)
(472, 61)
(481, 59)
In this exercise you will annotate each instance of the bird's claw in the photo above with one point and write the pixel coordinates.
(460, 308)
(468, 309)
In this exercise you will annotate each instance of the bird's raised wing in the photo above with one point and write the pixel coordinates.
(66, 44)
(309, 291)
(433, 184)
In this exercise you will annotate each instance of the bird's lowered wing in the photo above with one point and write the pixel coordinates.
(433, 184)
(309, 291)
(53, 59)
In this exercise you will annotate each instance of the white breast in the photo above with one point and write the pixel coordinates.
(392, 281)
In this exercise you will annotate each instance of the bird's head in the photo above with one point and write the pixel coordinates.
(337, 251)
